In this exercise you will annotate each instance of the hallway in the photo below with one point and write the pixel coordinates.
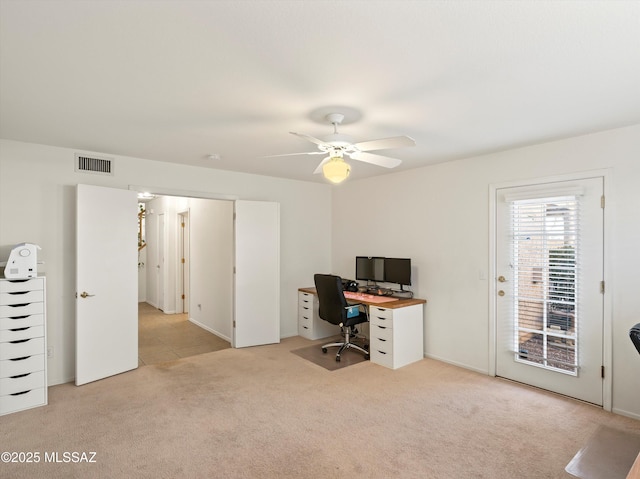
(166, 337)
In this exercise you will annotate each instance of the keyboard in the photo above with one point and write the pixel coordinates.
(369, 298)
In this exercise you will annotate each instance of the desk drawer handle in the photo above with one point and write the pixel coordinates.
(381, 352)
(20, 376)
(381, 339)
(19, 317)
(20, 359)
(381, 327)
(19, 341)
(18, 305)
(305, 317)
(19, 394)
(20, 329)
(305, 327)
(19, 292)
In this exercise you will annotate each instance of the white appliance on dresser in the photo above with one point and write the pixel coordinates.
(23, 344)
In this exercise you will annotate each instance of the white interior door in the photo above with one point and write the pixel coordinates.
(550, 307)
(106, 282)
(257, 273)
(160, 262)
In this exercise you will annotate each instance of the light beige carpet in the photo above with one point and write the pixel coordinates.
(264, 412)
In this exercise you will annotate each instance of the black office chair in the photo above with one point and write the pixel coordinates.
(333, 308)
(634, 334)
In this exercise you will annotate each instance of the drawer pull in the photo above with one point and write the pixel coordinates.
(21, 393)
(18, 280)
(381, 339)
(305, 327)
(305, 317)
(381, 352)
(20, 376)
(20, 359)
(18, 305)
(18, 292)
(20, 329)
(381, 327)
(19, 341)
(19, 317)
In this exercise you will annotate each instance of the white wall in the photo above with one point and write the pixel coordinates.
(37, 204)
(211, 304)
(439, 216)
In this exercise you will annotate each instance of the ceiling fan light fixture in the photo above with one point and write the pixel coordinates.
(336, 170)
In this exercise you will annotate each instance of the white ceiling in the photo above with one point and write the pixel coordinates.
(177, 81)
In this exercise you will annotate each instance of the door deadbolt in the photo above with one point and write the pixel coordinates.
(502, 279)
(500, 293)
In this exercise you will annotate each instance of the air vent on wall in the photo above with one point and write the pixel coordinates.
(92, 164)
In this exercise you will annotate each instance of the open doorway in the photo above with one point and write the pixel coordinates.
(167, 328)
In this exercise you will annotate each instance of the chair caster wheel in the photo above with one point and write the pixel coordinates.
(366, 347)
(337, 359)
(366, 357)
(324, 350)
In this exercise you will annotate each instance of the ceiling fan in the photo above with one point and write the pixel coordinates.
(337, 145)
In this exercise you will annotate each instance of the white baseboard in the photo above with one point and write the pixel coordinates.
(455, 363)
(622, 412)
(207, 328)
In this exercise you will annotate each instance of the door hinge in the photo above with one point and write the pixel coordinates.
(602, 201)
(234, 323)
(182, 224)
(182, 260)
(602, 372)
(183, 296)
(601, 287)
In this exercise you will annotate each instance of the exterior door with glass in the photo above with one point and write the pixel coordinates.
(549, 268)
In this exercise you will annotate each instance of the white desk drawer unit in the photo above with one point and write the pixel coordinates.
(23, 345)
(396, 335)
(310, 325)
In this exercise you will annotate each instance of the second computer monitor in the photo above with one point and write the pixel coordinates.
(397, 270)
(370, 268)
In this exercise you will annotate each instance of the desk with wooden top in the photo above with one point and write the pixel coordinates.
(396, 329)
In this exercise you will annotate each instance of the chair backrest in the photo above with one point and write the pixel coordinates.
(634, 333)
(331, 300)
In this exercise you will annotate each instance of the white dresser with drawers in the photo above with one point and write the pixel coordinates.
(23, 344)
(310, 325)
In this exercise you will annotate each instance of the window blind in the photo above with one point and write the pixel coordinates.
(545, 258)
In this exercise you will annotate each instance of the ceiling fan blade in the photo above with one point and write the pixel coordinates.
(310, 138)
(319, 168)
(296, 154)
(374, 159)
(386, 143)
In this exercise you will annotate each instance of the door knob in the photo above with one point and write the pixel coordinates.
(502, 279)
(500, 293)
(84, 294)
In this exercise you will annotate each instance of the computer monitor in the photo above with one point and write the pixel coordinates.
(369, 268)
(397, 270)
